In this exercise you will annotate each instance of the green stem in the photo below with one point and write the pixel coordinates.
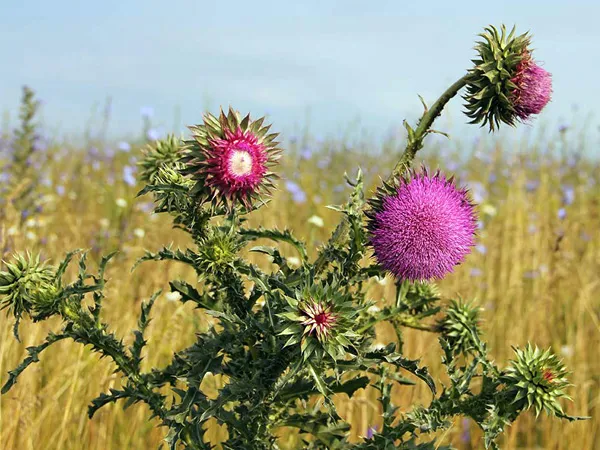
(401, 320)
(423, 128)
(415, 143)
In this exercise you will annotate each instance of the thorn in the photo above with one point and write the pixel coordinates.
(439, 132)
(424, 104)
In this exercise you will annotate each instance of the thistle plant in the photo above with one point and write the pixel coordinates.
(23, 177)
(287, 339)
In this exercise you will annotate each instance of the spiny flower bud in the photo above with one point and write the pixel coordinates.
(218, 250)
(460, 326)
(30, 287)
(505, 85)
(421, 228)
(320, 319)
(538, 379)
(230, 158)
(159, 155)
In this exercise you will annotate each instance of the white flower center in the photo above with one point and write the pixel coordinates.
(240, 163)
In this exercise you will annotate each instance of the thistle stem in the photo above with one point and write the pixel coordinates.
(424, 125)
(415, 143)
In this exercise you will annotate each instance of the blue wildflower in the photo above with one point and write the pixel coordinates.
(562, 213)
(532, 185)
(124, 146)
(146, 112)
(371, 432)
(306, 153)
(324, 162)
(568, 195)
(129, 175)
(153, 134)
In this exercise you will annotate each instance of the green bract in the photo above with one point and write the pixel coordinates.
(489, 86)
(29, 287)
(160, 155)
(538, 378)
(207, 159)
(320, 320)
(460, 326)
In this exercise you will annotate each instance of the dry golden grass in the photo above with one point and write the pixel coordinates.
(537, 285)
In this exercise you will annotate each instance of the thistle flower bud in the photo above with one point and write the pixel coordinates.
(218, 249)
(28, 286)
(320, 319)
(230, 159)
(537, 378)
(460, 326)
(506, 85)
(159, 155)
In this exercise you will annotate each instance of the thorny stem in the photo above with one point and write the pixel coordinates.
(401, 320)
(415, 143)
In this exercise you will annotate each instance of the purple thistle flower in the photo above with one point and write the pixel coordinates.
(423, 229)
(533, 88)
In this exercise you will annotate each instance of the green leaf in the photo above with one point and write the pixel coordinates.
(34, 353)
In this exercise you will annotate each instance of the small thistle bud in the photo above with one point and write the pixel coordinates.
(218, 249)
(460, 326)
(159, 155)
(230, 158)
(30, 287)
(538, 379)
(421, 228)
(506, 85)
(320, 319)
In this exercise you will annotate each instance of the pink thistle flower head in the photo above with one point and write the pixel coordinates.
(505, 85)
(231, 158)
(319, 319)
(422, 228)
(236, 164)
(533, 88)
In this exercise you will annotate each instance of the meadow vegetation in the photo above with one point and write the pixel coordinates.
(535, 274)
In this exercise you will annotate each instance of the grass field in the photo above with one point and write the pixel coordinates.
(536, 273)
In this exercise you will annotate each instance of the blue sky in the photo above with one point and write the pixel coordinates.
(328, 62)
